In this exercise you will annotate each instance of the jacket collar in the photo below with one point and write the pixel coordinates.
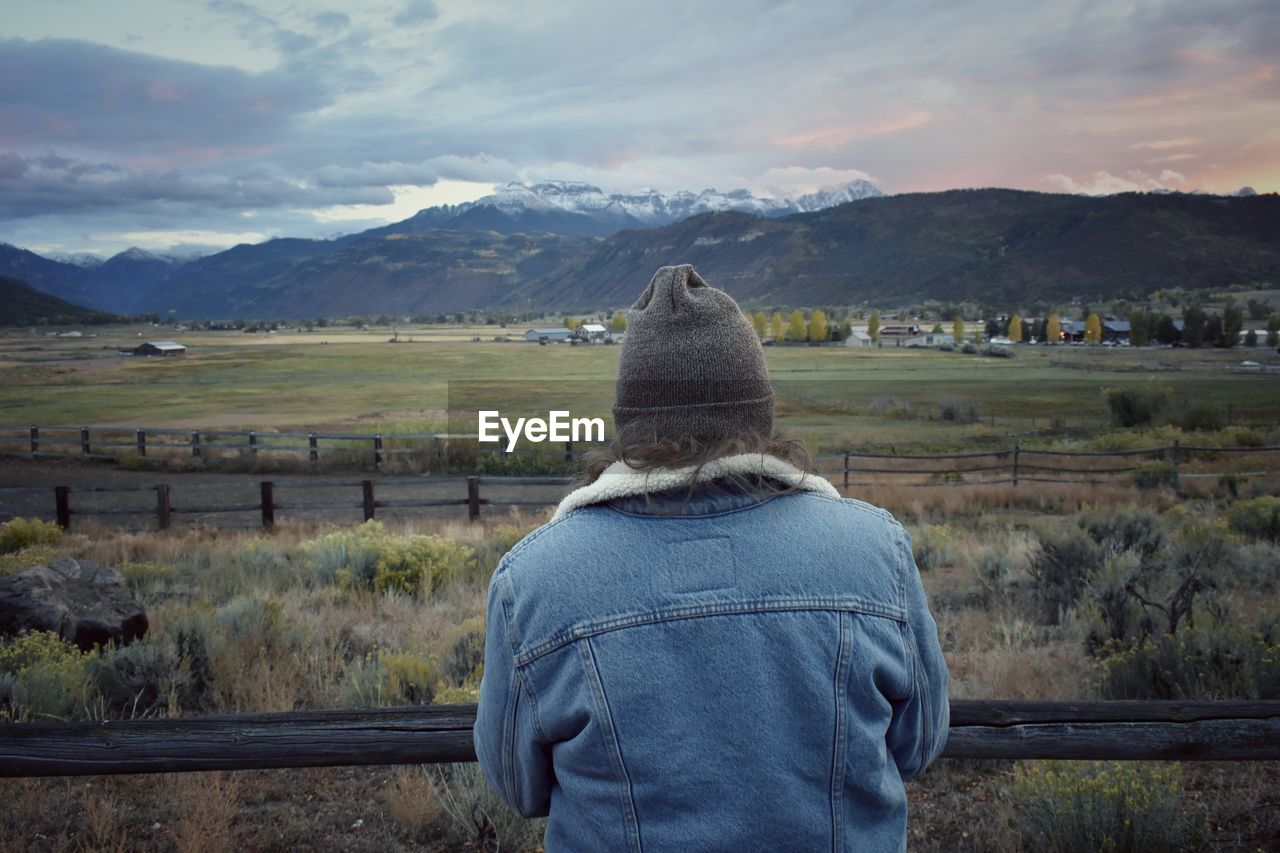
(620, 480)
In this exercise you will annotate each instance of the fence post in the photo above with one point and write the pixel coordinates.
(367, 486)
(164, 509)
(1176, 452)
(377, 450)
(35, 440)
(846, 469)
(268, 505)
(62, 504)
(195, 445)
(568, 451)
(142, 442)
(1017, 453)
(473, 498)
(253, 444)
(84, 440)
(313, 452)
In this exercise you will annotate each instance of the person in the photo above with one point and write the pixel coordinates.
(707, 648)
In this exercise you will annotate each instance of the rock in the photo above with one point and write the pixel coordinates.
(81, 601)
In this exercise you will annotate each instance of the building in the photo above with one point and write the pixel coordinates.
(860, 339)
(594, 333)
(547, 336)
(160, 348)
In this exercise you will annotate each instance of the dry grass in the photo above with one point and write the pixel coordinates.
(207, 804)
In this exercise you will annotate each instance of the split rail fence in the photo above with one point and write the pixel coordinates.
(1117, 730)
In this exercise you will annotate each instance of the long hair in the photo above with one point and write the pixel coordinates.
(693, 452)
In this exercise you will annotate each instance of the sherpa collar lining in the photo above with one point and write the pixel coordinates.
(619, 480)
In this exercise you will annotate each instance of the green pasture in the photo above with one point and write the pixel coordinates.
(359, 381)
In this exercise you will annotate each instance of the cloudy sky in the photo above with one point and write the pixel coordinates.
(170, 123)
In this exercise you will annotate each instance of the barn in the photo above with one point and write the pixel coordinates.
(160, 348)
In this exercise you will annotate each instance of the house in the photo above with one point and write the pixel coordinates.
(160, 348)
(859, 338)
(547, 336)
(593, 333)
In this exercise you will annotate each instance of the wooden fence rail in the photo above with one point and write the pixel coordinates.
(1183, 731)
(267, 503)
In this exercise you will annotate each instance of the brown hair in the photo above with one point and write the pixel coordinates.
(691, 451)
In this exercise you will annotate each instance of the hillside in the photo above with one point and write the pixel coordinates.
(26, 306)
(1005, 247)
(1002, 247)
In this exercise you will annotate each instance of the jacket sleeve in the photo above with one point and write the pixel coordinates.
(514, 757)
(920, 725)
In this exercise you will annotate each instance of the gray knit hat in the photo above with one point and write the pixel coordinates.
(691, 365)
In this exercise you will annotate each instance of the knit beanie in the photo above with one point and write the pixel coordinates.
(691, 365)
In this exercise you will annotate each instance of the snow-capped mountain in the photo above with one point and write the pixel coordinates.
(578, 208)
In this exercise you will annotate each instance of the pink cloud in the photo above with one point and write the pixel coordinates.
(839, 135)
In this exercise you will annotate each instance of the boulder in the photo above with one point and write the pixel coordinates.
(81, 601)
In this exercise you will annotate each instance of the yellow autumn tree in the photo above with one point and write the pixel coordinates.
(619, 323)
(775, 327)
(760, 323)
(957, 330)
(797, 330)
(819, 331)
(1053, 330)
(1015, 329)
(1093, 330)
(873, 326)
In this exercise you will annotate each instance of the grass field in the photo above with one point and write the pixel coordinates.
(358, 381)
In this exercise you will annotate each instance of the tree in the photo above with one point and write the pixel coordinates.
(1053, 330)
(1166, 332)
(619, 323)
(846, 329)
(1015, 329)
(1193, 326)
(873, 326)
(797, 330)
(760, 323)
(957, 329)
(819, 331)
(572, 323)
(1251, 338)
(1093, 330)
(1232, 324)
(775, 327)
(1139, 328)
(1273, 330)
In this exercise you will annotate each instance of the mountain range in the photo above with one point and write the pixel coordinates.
(539, 248)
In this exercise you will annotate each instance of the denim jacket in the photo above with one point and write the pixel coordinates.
(740, 670)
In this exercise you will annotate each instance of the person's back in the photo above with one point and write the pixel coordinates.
(745, 663)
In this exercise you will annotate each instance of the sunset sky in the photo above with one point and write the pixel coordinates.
(166, 124)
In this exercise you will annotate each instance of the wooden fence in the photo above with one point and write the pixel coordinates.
(266, 502)
(1128, 730)
(357, 449)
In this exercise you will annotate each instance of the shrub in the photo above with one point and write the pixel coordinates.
(139, 679)
(42, 676)
(478, 817)
(1258, 518)
(383, 678)
(1155, 475)
(997, 351)
(19, 533)
(146, 574)
(466, 654)
(29, 557)
(1205, 417)
(932, 546)
(1132, 407)
(1068, 806)
(1061, 570)
(1204, 662)
(969, 348)
(367, 557)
